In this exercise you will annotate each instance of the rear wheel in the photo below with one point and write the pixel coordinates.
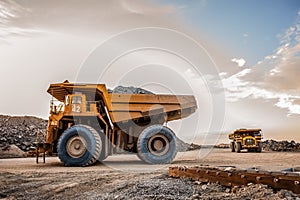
(232, 147)
(157, 145)
(79, 145)
(238, 147)
(103, 155)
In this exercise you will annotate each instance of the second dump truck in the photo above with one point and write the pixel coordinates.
(249, 139)
(91, 123)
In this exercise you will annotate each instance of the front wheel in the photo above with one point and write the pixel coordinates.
(238, 147)
(157, 145)
(79, 145)
(259, 148)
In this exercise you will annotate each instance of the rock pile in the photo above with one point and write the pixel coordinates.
(183, 146)
(222, 146)
(163, 187)
(251, 191)
(11, 151)
(272, 145)
(20, 131)
(129, 90)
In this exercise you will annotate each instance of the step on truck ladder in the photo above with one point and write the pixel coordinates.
(41, 146)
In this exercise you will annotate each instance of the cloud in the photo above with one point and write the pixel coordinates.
(275, 78)
(190, 74)
(237, 89)
(10, 13)
(245, 35)
(288, 103)
(240, 61)
(280, 70)
(24, 18)
(60, 35)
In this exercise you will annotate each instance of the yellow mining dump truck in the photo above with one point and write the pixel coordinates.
(249, 139)
(91, 123)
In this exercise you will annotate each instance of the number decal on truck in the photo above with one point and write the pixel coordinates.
(75, 108)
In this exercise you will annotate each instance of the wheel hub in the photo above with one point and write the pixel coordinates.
(76, 146)
(158, 145)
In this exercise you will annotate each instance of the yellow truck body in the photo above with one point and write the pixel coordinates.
(91, 122)
(249, 139)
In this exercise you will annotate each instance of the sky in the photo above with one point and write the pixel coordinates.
(242, 26)
(246, 53)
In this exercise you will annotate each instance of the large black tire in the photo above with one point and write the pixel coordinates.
(259, 148)
(79, 145)
(238, 147)
(157, 145)
(232, 147)
(103, 154)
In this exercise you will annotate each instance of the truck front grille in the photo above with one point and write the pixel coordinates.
(249, 142)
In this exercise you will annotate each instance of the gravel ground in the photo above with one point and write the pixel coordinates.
(163, 187)
(20, 180)
(125, 177)
(139, 186)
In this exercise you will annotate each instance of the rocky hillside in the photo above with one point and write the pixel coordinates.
(20, 131)
(272, 145)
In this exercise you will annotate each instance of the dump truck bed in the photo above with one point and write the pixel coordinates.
(134, 106)
(124, 107)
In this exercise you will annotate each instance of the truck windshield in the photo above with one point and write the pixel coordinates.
(76, 100)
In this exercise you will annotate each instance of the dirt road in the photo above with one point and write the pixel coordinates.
(122, 176)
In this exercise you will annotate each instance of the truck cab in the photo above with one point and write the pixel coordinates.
(75, 103)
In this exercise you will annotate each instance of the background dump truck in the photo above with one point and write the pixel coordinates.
(249, 139)
(90, 124)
